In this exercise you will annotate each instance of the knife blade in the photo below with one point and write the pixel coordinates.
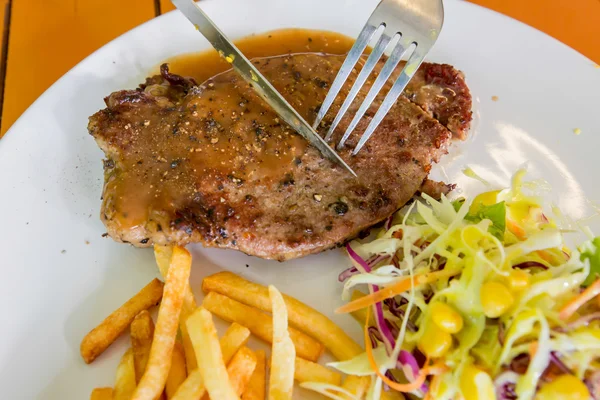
(257, 81)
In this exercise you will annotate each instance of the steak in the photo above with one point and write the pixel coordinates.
(213, 164)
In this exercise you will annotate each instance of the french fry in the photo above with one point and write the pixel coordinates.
(283, 353)
(308, 371)
(163, 255)
(240, 369)
(359, 315)
(256, 388)
(141, 332)
(259, 323)
(209, 356)
(125, 377)
(330, 391)
(234, 338)
(301, 316)
(357, 385)
(159, 362)
(102, 336)
(104, 393)
(192, 388)
(177, 373)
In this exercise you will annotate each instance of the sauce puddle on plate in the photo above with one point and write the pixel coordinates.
(206, 64)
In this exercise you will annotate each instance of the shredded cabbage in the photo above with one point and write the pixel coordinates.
(359, 365)
(501, 236)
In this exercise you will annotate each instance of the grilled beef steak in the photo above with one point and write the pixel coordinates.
(213, 164)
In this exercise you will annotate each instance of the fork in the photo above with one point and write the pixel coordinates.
(416, 25)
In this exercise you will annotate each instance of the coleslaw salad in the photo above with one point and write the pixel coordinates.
(476, 299)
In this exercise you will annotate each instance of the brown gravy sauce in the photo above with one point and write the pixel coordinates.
(161, 180)
(206, 64)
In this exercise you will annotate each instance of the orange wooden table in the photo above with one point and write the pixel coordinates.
(43, 39)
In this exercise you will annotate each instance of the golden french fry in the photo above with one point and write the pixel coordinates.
(256, 388)
(308, 371)
(259, 323)
(102, 336)
(359, 315)
(141, 332)
(240, 369)
(330, 391)
(192, 388)
(159, 363)
(163, 255)
(234, 338)
(357, 385)
(283, 353)
(209, 356)
(177, 373)
(188, 349)
(125, 377)
(301, 316)
(104, 393)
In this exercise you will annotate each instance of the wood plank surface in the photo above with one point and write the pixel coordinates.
(166, 6)
(574, 22)
(4, 26)
(47, 38)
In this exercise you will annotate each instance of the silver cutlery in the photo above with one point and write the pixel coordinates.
(413, 25)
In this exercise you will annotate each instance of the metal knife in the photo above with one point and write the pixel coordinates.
(259, 83)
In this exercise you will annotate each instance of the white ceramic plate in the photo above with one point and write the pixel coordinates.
(56, 286)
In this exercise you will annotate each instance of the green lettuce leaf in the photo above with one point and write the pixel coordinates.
(591, 251)
(457, 204)
(495, 213)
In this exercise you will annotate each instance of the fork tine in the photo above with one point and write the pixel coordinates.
(374, 57)
(384, 75)
(353, 56)
(407, 73)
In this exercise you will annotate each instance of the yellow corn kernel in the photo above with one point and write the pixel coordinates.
(496, 299)
(484, 199)
(435, 342)
(446, 317)
(565, 387)
(518, 280)
(476, 384)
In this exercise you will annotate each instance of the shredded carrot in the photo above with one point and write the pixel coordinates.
(395, 289)
(568, 310)
(516, 229)
(401, 387)
(544, 255)
(533, 347)
(428, 395)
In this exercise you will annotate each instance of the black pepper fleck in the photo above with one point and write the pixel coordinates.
(339, 207)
